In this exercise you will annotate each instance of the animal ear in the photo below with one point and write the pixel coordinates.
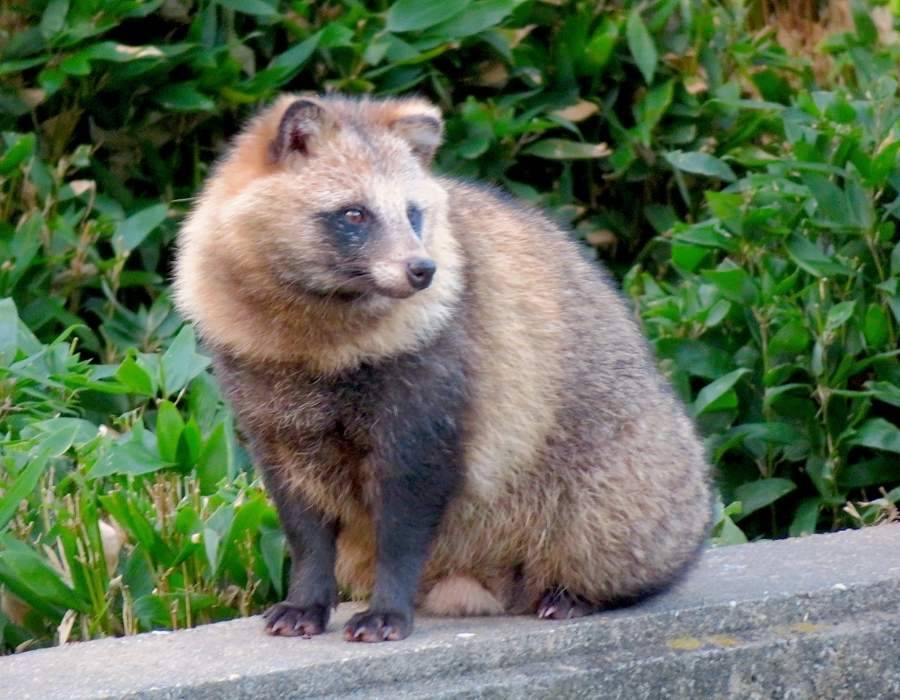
(423, 133)
(301, 123)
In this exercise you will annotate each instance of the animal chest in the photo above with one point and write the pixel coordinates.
(307, 433)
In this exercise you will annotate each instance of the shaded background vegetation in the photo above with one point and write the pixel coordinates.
(735, 163)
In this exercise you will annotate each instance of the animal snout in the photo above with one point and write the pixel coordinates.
(420, 272)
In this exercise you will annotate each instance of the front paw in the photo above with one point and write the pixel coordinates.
(288, 620)
(378, 626)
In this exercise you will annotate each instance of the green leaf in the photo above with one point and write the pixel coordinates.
(272, 548)
(866, 30)
(21, 149)
(829, 198)
(335, 35)
(217, 535)
(734, 283)
(152, 612)
(654, 105)
(805, 517)
(30, 577)
(730, 534)
(895, 258)
(641, 46)
(700, 164)
(128, 512)
(839, 314)
(600, 46)
(126, 458)
(759, 494)
(562, 149)
(54, 18)
(876, 326)
(212, 465)
(250, 7)
(687, 257)
(189, 444)
(878, 434)
(859, 204)
(883, 163)
(21, 64)
(25, 482)
(725, 532)
(792, 338)
(719, 395)
(169, 425)
(706, 236)
(85, 430)
(135, 378)
(885, 391)
(883, 469)
(294, 58)
(9, 331)
(131, 232)
(78, 64)
(696, 357)
(481, 15)
(811, 258)
(415, 15)
(181, 362)
(728, 207)
(183, 97)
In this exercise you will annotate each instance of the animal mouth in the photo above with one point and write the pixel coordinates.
(361, 283)
(344, 295)
(394, 293)
(355, 285)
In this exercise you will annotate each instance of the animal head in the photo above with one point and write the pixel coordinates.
(324, 206)
(346, 209)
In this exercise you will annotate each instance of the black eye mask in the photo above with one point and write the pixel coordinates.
(350, 227)
(415, 216)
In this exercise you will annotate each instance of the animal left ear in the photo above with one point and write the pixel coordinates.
(301, 124)
(423, 133)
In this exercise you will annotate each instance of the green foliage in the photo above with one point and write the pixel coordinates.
(101, 454)
(750, 207)
(776, 308)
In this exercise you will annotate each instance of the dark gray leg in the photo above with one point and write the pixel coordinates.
(313, 591)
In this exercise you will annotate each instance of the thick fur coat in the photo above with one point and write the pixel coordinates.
(498, 440)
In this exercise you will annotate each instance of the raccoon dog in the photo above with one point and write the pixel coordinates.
(450, 406)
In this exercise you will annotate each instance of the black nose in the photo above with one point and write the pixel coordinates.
(419, 272)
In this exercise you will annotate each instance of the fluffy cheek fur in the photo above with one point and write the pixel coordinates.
(287, 246)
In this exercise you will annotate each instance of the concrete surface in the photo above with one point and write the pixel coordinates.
(817, 617)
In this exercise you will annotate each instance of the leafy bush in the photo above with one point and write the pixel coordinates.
(781, 305)
(747, 195)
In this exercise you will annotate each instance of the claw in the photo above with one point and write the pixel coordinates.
(547, 612)
(560, 604)
(373, 626)
(289, 620)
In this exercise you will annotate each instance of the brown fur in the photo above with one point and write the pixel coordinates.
(581, 468)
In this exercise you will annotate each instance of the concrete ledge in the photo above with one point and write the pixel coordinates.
(817, 617)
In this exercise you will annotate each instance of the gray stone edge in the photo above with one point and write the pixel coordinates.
(620, 645)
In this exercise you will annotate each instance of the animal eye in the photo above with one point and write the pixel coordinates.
(414, 214)
(354, 216)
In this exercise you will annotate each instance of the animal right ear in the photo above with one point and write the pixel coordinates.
(302, 122)
(422, 132)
